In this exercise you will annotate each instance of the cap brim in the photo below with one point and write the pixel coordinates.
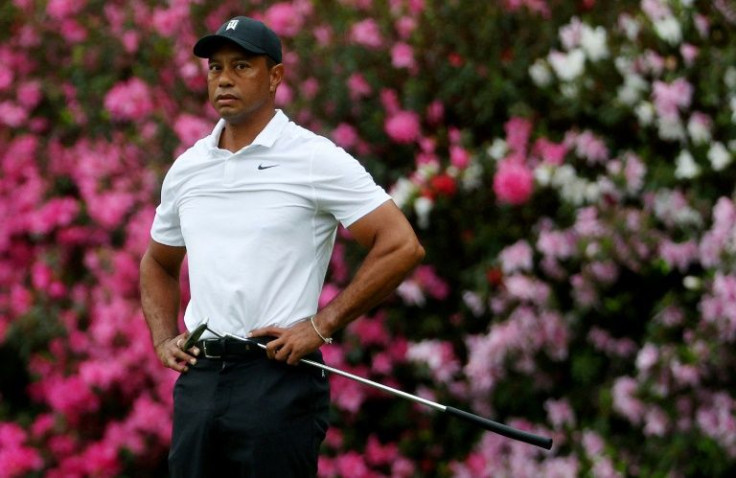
(207, 45)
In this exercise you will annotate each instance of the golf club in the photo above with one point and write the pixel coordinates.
(195, 335)
(489, 425)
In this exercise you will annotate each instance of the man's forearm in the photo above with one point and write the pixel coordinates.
(160, 298)
(379, 275)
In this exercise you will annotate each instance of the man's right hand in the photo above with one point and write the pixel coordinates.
(171, 355)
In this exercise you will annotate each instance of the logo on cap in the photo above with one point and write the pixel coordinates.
(231, 25)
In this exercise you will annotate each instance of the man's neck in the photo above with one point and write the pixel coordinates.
(237, 135)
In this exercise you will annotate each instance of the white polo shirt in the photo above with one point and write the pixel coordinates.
(259, 224)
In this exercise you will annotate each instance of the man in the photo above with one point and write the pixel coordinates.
(255, 207)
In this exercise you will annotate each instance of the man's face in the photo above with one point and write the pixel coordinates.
(240, 83)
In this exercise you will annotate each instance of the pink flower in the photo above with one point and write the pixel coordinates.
(309, 88)
(625, 401)
(190, 128)
(405, 26)
(358, 86)
(590, 147)
(168, 21)
(369, 331)
(30, 94)
(559, 412)
(402, 56)
(284, 94)
(669, 97)
(689, 53)
(678, 256)
(513, 182)
(534, 6)
(352, 464)
(435, 112)
(129, 100)
(379, 454)
(367, 33)
(459, 157)
(403, 127)
(73, 31)
(557, 244)
(12, 115)
(110, 208)
(550, 152)
(439, 356)
(60, 9)
(347, 394)
(284, 19)
(516, 257)
(390, 101)
(345, 135)
(518, 131)
(430, 282)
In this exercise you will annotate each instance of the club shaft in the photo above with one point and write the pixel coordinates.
(489, 425)
(380, 386)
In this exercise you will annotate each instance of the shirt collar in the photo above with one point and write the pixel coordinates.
(267, 137)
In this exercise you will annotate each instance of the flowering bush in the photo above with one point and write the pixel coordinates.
(568, 166)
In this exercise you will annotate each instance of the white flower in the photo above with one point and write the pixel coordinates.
(540, 74)
(593, 42)
(498, 149)
(669, 30)
(691, 282)
(686, 167)
(570, 34)
(422, 207)
(592, 192)
(719, 156)
(569, 90)
(645, 113)
(428, 170)
(624, 65)
(472, 176)
(402, 190)
(670, 129)
(632, 88)
(629, 26)
(571, 188)
(568, 66)
(543, 174)
(729, 78)
(699, 129)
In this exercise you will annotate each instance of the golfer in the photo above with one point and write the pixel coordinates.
(254, 207)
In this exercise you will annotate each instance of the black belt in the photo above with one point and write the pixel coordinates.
(227, 348)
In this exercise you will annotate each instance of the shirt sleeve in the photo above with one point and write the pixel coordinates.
(166, 227)
(343, 187)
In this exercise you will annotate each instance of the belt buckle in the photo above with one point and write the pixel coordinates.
(207, 354)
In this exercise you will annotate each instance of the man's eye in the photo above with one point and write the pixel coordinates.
(214, 67)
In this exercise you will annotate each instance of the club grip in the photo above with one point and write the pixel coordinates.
(501, 429)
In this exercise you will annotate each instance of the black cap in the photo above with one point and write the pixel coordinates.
(252, 35)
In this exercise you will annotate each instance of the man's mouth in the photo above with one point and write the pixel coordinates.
(226, 98)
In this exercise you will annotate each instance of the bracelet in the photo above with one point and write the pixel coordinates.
(327, 340)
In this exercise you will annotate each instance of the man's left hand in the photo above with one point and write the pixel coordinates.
(290, 344)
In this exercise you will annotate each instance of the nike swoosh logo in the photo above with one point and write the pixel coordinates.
(267, 166)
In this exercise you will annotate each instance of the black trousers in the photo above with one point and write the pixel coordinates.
(253, 417)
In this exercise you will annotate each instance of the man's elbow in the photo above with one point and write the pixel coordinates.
(414, 253)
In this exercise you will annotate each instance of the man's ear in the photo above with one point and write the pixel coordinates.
(276, 74)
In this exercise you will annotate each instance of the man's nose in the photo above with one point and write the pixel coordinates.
(225, 77)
